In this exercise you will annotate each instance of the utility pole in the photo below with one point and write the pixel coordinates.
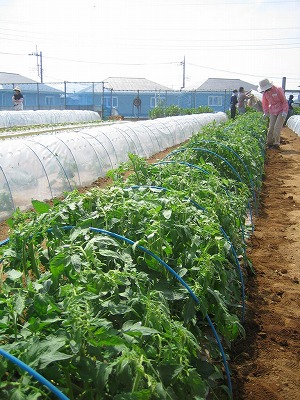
(283, 83)
(183, 73)
(39, 62)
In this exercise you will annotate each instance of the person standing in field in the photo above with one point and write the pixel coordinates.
(275, 106)
(291, 108)
(17, 99)
(242, 98)
(233, 103)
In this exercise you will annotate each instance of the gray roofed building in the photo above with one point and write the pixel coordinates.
(9, 77)
(9, 80)
(70, 87)
(127, 84)
(221, 84)
(36, 95)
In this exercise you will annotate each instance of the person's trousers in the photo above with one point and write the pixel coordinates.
(232, 111)
(290, 113)
(18, 107)
(275, 126)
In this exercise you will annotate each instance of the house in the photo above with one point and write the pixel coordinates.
(124, 96)
(69, 97)
(130, 97)
(215, 93)
(37, 96)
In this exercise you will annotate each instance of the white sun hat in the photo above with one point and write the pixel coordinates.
(264, 85)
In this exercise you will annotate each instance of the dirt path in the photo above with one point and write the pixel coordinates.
(266, 365)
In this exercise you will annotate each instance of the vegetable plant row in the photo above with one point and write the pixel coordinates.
(136, 291)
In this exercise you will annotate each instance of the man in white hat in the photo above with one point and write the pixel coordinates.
(17, 99)
(275, 106)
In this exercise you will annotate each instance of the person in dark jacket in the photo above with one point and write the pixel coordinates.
(233, 103)
(17, 99)
(291, 108)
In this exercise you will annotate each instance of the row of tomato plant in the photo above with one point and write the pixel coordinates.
(88, 294)
(162, 110)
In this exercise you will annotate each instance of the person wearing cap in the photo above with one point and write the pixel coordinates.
(275, 106)
(17, 99)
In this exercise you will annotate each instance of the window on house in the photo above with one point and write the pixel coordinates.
(49, 100)
(111, 101)
(215, 101)
(157, 101)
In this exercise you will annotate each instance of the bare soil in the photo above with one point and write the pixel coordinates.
(266, 365)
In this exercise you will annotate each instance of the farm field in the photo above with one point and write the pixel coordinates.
(265, 365)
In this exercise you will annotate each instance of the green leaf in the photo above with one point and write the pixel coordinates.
(34, 396)
(116, 309)
(52, 356)
(57, 265)
(132, 328)
(111, 341)
(189, 310)
(76, 262)
(169, 372)
(40, 206)
(41, 304)
(41, 354)
(167, 214)
(18, 394)
(144, 394)
(13, 275)
(19, 305)
(9, 253)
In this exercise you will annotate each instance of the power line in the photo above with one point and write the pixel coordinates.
(91, 62)
(225, 3)
(237, 73)
(164, 63)
(194, 29)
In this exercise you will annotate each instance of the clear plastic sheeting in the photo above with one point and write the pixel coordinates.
(294, 123)
(44, 166)
(255, 100)
(41, 117)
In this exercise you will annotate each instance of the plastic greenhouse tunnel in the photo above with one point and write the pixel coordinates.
(45, 166)
(42, 117)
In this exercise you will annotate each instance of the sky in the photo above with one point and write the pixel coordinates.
(172, 42)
